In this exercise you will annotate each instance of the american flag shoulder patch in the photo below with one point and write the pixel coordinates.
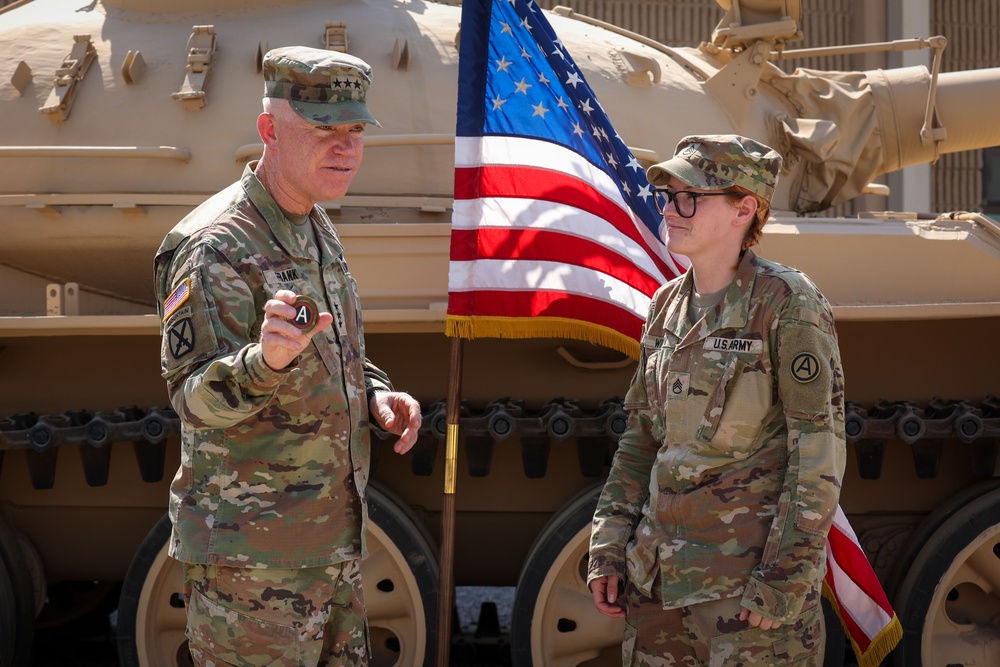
(176, 299)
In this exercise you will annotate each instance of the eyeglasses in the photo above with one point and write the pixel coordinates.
(685, 202)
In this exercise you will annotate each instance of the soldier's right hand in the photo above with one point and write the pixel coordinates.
(280, 340)
(606, 595)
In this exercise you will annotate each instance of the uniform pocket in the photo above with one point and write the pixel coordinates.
(752, 647)
(796, 645)
(238, 639)
(717, 401)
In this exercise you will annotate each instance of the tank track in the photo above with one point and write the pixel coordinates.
(594, 433)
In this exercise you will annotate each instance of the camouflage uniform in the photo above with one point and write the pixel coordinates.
(294, 615)
(725, 483)
(268, 506)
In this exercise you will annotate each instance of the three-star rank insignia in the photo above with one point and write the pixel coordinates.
(306, 313)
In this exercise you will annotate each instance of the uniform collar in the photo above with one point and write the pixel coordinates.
(732, 311)
(292, 242)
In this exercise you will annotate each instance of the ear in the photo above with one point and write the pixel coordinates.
(265, 128)
(746, 211)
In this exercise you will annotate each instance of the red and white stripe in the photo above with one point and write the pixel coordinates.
(535, 218)
(864, 609)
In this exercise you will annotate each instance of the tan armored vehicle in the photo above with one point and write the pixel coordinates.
(119, 116)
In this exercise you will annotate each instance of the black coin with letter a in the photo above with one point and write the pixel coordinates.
(306, 313)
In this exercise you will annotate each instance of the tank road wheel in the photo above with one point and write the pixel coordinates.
(949, 602)
(151, 618)
(400, 579)
(554, 622)
(8, 626)
(19, 595)
(918, 538)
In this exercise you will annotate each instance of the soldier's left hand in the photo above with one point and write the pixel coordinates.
(758, 621)
(397, 412)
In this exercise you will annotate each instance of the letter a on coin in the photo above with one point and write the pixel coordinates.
(306, 313)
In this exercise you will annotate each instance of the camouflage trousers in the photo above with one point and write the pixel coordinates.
(710, 634)
(265, 616)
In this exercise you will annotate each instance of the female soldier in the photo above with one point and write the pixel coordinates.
(725, 483)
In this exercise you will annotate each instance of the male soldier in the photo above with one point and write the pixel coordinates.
(725, 483)
(268, 506)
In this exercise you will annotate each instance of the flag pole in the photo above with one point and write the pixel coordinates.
(446, 558)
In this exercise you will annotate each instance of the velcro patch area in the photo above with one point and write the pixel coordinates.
(177, 298)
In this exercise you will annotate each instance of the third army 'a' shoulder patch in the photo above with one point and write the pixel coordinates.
(805, 367)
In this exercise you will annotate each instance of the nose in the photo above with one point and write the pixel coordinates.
(670, 210)
(342, 141)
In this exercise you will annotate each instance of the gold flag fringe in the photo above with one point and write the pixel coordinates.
(882, 644)
(467, 326)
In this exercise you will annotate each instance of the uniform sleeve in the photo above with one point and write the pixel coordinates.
(627, 486)
(811, 390)
(210, 356)
(375, 380)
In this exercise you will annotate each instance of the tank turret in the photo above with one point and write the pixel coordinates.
(121, 116)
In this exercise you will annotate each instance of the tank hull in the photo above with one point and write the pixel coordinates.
(87, 194)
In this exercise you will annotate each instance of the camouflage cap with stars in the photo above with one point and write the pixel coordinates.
(720, 161)
(324, 87)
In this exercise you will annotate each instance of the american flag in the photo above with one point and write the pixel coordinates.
(857, 596)
(176, 298)
(554, 232)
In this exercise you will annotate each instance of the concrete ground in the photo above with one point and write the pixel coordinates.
(89, 641)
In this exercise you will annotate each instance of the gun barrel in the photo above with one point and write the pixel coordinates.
(966, 104)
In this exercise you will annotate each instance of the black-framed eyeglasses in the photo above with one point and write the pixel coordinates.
(684, 201)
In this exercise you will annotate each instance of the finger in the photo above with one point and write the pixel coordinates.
(612, 589)
(402, 446)
(614, 611)
(383, 413)
(277, 323)
(275, 308)
(282, 328)
(387, 415)
(288, 296)
(409, 435)
(325, 320)
(744, 613)
(595, 590)
(416, 419)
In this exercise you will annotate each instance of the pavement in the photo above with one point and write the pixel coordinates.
(89, 641)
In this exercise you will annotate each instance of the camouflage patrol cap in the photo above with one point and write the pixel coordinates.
(720, 161)
(324, 87)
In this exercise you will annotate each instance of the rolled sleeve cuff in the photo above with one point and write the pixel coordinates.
(605, 564)
(261, 378)
(375, 386)
(769, 602)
